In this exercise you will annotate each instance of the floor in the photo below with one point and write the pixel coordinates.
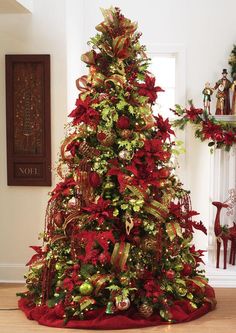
(223, 319)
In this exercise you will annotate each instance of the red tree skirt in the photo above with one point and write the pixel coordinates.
(126, 319)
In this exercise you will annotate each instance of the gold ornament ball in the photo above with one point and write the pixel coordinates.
(149, 244)
(86, 289)
(145, 310)
(123, 305)
(126, 133)
(124, 280)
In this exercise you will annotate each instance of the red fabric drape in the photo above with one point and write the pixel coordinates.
(122, 320)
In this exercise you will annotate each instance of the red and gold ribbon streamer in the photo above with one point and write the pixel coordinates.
(66, 142)
(85, 302)
(99, 281)
(120, 255)
(156, 209)
(82, 84)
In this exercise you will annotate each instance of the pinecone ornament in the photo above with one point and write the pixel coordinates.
(145, 310)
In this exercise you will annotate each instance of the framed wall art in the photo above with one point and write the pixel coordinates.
(28, 120)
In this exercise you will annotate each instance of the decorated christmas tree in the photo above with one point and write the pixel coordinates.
(117, 247)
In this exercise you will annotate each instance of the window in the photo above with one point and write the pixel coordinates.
(163, 67)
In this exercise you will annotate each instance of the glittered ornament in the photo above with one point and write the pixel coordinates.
(125, 155)
(123, 304)
(145, 310)
(106, 138)
(124, 280)
(86, 288)
(149, 244)
(126, 133)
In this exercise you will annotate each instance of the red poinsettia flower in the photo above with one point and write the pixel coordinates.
(63, 188)
(229, 138)
(99, 211)
(152, 289)
(210, 129)
(68, 284)
(148, 89)
(72, 147)
(36, 257)
(193, 113)
(164, 127)
(85, 113)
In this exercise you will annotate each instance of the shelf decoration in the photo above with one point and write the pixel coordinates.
(219, 133)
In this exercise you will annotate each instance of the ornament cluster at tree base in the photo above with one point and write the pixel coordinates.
(111, 319)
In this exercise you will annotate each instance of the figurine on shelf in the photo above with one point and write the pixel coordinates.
(207, 92)
(233, 87)
(223, 103)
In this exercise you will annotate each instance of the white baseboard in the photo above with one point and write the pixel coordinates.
(218, 277)
(222, 278)
(12, 273)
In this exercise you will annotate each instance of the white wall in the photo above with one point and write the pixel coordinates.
(196, 25)
(22, 209)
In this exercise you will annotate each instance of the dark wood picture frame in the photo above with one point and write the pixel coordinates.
(28, 120)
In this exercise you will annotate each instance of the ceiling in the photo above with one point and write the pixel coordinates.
(14, 7)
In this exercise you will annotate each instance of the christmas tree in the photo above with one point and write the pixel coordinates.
(117, 247)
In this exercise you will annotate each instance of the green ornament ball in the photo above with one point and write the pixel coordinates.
(58, 266)
(178, 267)
(86, 289)
(181, 291)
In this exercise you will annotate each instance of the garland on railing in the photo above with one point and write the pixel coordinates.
(220, 134)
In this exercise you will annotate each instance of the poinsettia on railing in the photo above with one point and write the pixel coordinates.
(220, 134)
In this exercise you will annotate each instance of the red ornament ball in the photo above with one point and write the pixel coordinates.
(94, 179)
(170, 274)
(103, 258)
(123, 122)
(164, 173)
(106, 138)
(187, 269)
